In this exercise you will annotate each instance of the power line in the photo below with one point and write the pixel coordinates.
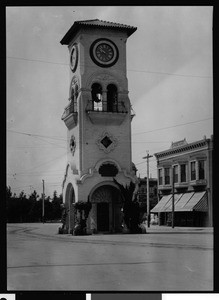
(163, 128)
(44, 163)
(172, 74)
(37, 60)
(37, 135)
(157, 129)
(130, 70)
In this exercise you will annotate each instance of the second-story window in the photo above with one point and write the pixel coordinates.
(192, 170)
(160, 177)
(176, 175)
(112, 98)
(166, 175)
(96, 93)
(201, 169)
(183, 172)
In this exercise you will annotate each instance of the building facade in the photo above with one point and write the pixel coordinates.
(185, 183)
(142, 192)
(98, 119)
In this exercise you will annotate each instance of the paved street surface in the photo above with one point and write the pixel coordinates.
(164, 259)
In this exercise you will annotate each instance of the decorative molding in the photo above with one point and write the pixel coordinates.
(65, 175)
(106, 142)
(72, 144)
(189, 147)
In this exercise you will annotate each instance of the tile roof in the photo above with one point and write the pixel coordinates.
(97, 24)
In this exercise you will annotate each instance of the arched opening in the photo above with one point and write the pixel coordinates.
(108, 170)
(96, 93)
(76, 91)
(105, 215)
(112, 98)
(69, 200)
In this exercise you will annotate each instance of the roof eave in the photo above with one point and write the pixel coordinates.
(75, 28)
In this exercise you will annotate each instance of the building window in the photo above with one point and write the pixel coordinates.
(176, 175)
(167, 175)
(201, 169)
(160, 178)
(183, 172)
(96, 93)
(193, 171)
(112, 98)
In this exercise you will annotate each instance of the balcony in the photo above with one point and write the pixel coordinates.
(199, 182)
(183, 184)
(70, 116)
(165, 187)
(104, 114)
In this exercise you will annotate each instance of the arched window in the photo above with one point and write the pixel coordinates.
(76, 96)
(108, 170)
(112, 98)
(72, 100)
(96, 93)
(76, 91)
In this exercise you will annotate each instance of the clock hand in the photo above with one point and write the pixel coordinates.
(101, 50)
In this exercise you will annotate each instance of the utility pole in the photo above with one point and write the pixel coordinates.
(173, 208)
(43, 203)
(148, 194)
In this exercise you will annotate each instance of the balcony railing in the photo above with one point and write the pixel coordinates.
(105, 106)
(70, 115)
(69, 109)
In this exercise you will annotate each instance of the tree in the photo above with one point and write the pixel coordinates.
(33, 212)
(131, 208)
(56, 206)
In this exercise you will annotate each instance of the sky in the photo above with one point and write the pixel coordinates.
(170, 82)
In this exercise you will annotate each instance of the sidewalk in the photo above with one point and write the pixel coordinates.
(156, 236)
(166, 229)
(52, 229)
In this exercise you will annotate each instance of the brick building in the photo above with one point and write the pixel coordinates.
(142, 191)
(186, 169)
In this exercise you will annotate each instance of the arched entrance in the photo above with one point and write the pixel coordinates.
(105, 215)
(69, 200)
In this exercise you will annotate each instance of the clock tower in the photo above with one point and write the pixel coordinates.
(98, 120)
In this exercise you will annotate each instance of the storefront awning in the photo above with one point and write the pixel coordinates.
(198, 202)
(194, 201)
(161, 204)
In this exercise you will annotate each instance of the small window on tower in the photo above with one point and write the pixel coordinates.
(96, 93)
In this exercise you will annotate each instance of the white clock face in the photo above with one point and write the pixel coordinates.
(74, 58)
(104, 52)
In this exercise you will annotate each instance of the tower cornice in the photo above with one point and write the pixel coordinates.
(95, 23)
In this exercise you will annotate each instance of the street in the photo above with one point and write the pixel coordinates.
(164, 259)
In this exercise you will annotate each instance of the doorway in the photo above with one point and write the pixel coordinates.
(103, 216)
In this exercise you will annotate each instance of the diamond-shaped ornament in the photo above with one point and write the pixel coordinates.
(106, 141)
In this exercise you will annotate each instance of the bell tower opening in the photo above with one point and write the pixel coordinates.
(112, 98)
(96, 93)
